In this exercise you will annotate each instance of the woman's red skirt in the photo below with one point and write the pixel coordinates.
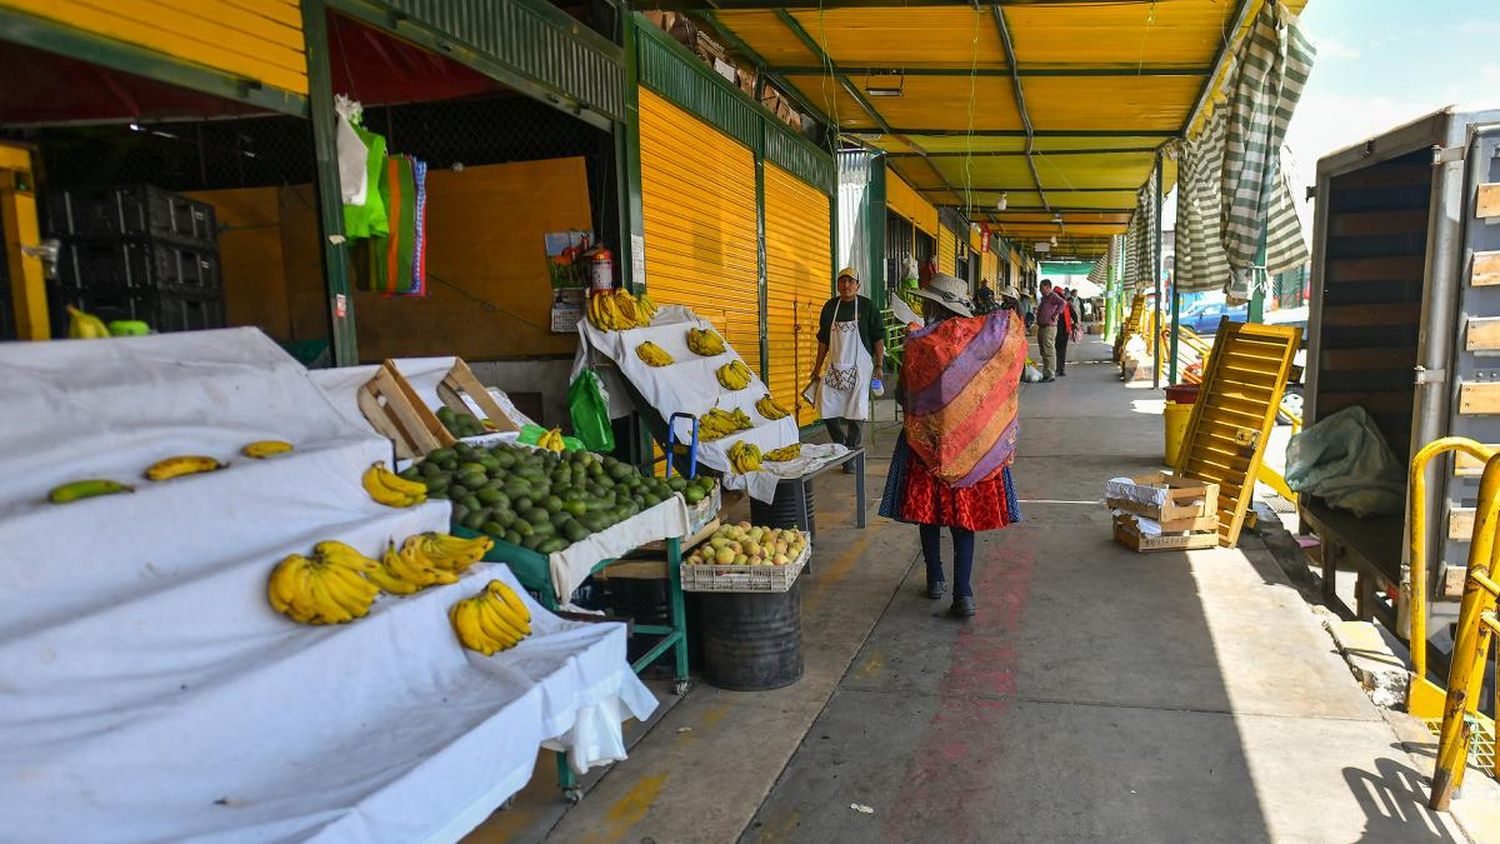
(913, 494)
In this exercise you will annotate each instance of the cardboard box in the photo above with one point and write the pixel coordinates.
(1186, 502)
(1129, 535)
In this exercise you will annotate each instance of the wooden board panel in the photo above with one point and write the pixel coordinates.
(1466, 466)
(1390, 175)
(1398, 221)
(1394, 313)
(1461, 523)
(1365, 360)
(1483, 334)
(1376, 269)
(1485, 270)
(1488, 204)
(1381, 402)
(1218, 447)
(1478, 398)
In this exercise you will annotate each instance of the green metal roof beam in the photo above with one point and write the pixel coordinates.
(853, 90)
(54, 37)
(1010, 59)
(1015, 153)
(761, 67)
(964, 72)
(1040, 133)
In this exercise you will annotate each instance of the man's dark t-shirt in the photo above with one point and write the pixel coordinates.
(870, 326)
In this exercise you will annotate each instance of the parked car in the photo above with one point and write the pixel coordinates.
(1204, 318)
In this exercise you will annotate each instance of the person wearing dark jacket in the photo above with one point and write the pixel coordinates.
(1067, 322)
(851, 338)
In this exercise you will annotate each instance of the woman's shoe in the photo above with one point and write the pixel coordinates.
(962, 607)
(936, 588)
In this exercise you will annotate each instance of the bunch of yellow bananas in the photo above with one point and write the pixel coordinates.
(734, 375)
(390, 489)
(553, 439)
(261, 449)
(705, 342)
(783, 454)
(718, 423)
(407, 569)
(494, 620)
(768, 408)
(327, 588)
(645, 310)
(617, 310)
(176, 467)
(653, 354)
(744, 457)
(85, 326)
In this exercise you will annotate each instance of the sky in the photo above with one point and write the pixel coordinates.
(1382, 63)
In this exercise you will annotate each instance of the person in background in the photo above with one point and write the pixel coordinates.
(946, 472)
(1010, 299)
(1067, 330)
(984, 301)
(851, 338)
(1048, 316)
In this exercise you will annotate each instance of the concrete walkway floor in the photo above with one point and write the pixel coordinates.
(1099, 695)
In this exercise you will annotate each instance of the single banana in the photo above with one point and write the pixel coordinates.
(78, 490)
(788, 452)
(392, 490)
(176, 467)
(261, 449)
(511, 600)
(85, 326)
(337, 553)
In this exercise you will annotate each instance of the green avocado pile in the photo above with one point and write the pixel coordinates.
(539, 499)
(460, 424)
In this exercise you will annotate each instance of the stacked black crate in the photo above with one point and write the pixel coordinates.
(135, 253)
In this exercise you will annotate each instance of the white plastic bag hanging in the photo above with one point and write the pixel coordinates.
(354, 179)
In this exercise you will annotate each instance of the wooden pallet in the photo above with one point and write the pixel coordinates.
(1235, 412)
(461, 381)
(393, 408)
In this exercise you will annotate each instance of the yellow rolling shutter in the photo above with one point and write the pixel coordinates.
(698, 201)
(260, 40)
(799, 273)
(947, 250)
(990, 268)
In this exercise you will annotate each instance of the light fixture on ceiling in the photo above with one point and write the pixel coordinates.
(1004, 201)
(886, 84)
(1057, 217)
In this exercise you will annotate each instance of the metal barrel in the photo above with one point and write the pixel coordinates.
(782, 511)
(752, 641)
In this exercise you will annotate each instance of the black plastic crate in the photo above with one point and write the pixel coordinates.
(131, 211)
(163, 312)
(143, 265)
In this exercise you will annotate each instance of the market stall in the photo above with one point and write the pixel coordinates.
(152, 690)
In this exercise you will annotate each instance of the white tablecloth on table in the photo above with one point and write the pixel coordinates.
(690, 384)
(572, 565)
(762, 485)
(148, 690)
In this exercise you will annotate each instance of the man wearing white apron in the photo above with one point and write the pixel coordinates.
(851, 339)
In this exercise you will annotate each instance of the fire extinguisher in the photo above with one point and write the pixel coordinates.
(601, 269)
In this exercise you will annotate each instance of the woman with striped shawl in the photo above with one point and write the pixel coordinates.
(951, 467)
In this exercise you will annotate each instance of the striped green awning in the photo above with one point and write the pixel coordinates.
(1232, 184)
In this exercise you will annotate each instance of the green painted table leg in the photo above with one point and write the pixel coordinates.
(679, 610)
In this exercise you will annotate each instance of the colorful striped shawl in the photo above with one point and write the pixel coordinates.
(962, 377)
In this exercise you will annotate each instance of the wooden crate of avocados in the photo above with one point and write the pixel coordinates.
(461, 381)
(393, 408)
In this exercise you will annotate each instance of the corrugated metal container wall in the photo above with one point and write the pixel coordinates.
(698, 201)
(947, 250)
(799, 272)
(260, 41)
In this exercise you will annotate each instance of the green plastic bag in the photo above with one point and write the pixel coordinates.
(369, 219)
(589, 408)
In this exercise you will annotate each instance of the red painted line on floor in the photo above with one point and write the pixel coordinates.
(950, 770)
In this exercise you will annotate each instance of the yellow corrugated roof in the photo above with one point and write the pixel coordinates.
(1104, 85)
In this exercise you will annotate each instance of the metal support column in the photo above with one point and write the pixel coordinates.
(18, 223)
(628, 167)
(1156, 184)
(330, 200)
(1257, 310)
